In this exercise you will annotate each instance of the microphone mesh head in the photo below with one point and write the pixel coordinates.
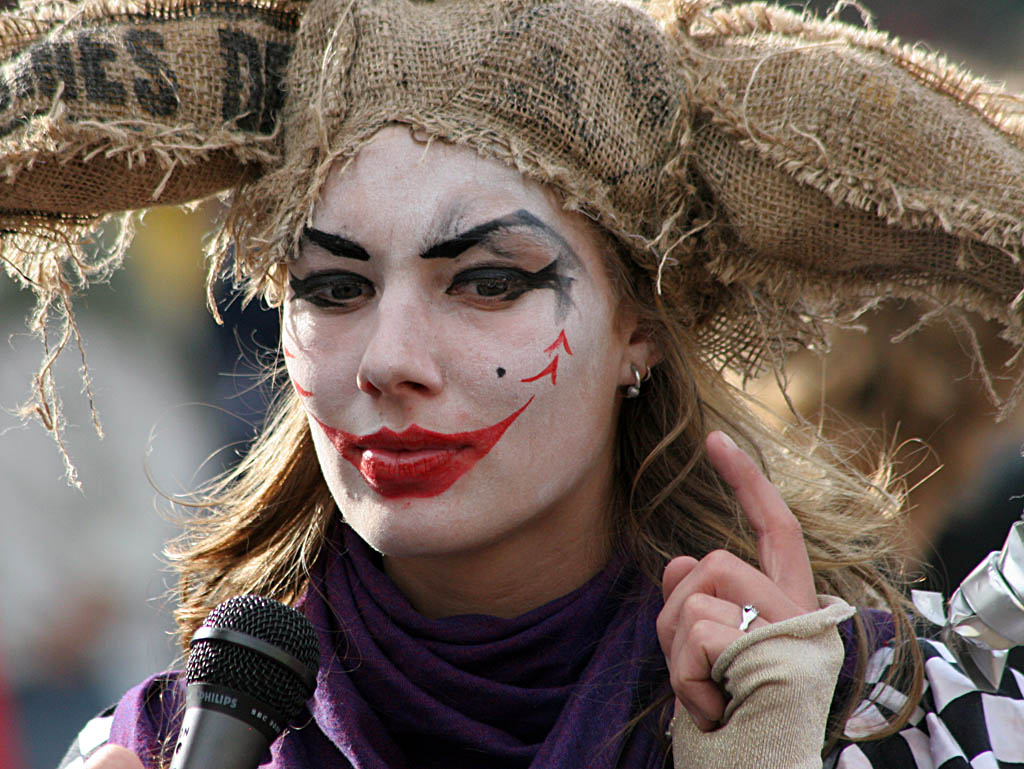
(237, 667)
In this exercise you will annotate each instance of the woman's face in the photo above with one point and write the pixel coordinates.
(457, 346)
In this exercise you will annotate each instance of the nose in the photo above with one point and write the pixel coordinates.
(400, 353)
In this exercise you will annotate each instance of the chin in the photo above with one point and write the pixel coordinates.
(409, 534)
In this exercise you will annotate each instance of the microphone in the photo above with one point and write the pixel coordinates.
(984, 617)
(251, 667)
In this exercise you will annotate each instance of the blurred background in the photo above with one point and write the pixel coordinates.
(83, 610)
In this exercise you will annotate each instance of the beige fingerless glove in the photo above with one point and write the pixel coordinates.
(781, 678)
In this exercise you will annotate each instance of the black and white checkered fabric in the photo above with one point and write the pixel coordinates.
(956, 726)
(93, 736)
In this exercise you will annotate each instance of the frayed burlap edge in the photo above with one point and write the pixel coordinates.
(1005, 110)
(30, 240)
(135, 144)
(49, 251)
(695, 21)
(814, 301)
(27, 257)
(989, 100)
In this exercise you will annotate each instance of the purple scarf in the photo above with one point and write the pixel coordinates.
(553, 688)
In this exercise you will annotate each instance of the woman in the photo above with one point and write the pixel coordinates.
(431, 365)
(510, 261)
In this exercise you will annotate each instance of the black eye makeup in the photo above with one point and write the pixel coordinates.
(497, 285)
(334, 289)
(513, 239)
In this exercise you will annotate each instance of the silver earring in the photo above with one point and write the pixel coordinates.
(633, 391)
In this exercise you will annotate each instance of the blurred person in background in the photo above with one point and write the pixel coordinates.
(923, 404)
(920, 400)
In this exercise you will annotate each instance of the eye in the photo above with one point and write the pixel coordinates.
(333, 289)
(490, 285)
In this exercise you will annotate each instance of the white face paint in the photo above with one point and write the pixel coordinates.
(454, 339)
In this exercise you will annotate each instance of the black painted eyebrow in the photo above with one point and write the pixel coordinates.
(450, 249)
(335, 244)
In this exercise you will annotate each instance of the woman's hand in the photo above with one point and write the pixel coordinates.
(113, 757)
(704, 599)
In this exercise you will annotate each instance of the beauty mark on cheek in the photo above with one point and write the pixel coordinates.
(552, 368)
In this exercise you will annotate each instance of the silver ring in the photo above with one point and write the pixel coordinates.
(749, 615)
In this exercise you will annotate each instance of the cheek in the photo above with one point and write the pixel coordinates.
(296, 335)
(317, 370)
(299, 372)
(546, 355)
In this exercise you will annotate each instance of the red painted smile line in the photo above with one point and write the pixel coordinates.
(416, 462)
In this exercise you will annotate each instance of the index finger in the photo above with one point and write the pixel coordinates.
(780, 541)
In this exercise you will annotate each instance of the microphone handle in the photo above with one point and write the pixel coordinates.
(211, 739)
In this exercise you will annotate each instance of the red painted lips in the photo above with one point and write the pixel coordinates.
(416, 462)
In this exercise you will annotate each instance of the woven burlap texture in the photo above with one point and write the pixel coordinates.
(769, 172)
(110, 106)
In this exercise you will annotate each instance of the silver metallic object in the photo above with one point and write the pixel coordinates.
(748, 616)
(984, 617)
(633, 390)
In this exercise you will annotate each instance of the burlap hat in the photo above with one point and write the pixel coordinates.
(768, 171)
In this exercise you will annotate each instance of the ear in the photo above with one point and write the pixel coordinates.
(640, 349)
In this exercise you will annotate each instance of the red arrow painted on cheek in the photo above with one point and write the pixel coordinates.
(552, 367)
(561, 340)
